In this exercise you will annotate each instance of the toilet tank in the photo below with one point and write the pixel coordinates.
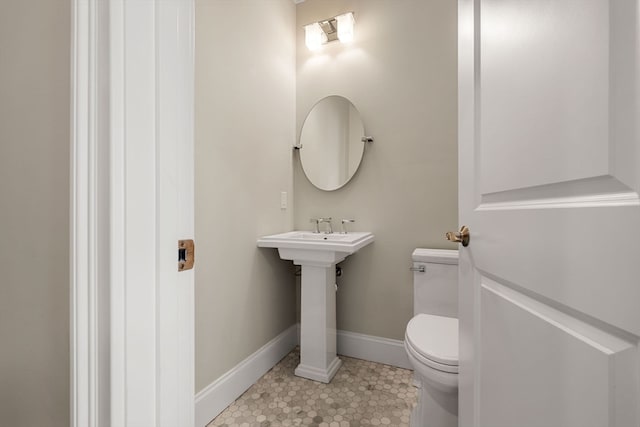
(435, 291)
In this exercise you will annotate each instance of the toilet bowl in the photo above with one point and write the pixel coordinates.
(431, 343)
(431, 338)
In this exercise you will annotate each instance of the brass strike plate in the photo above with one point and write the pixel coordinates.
(186, 254)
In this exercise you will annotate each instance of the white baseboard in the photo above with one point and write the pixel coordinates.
(214, 398)
(376, 349)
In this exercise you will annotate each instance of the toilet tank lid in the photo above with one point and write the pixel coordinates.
(436, 256)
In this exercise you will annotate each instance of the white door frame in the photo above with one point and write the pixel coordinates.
(131, 200)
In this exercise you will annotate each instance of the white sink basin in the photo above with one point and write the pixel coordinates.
(303, 246)
(317, 253)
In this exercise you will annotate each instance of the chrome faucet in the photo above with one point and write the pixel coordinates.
(344, 224)
(315, 221)
(328, 222)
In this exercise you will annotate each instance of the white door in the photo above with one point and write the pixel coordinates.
(549, 94)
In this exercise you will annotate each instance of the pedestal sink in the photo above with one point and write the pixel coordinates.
(317, 254)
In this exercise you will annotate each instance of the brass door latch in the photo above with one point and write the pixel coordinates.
(186, 254)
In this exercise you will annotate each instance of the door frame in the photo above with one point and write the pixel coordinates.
(468, 320)
(127, 210)
(88, 227)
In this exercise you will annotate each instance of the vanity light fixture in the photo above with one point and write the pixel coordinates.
(314, 37)
(345, 27)
(337, 28)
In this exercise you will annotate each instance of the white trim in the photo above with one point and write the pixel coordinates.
(117, 215)
(86, 229)
(372, 348)
(151, 129)
(132, 64)
(629, 198)
(134, 215)
(175, 353)
(214, 398)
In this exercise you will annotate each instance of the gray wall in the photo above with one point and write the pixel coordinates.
(400, 72)
(34, 214)
(244, 131)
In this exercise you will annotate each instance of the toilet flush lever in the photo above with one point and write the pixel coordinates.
(461, 236)
(419, 269)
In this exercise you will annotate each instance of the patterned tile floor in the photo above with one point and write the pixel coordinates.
(362, 393)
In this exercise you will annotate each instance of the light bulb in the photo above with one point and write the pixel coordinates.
(313, 35)
(345, 27)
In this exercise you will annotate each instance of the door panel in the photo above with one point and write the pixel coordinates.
(559, 371)
(549, 99)
(579, 257)
(544, 92)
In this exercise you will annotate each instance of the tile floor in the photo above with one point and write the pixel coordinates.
(362, 393)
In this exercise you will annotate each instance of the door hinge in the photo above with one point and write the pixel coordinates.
(186, 254)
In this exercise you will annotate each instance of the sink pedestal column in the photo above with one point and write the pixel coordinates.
(318, 359)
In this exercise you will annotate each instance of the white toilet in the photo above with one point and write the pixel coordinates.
(431, 338)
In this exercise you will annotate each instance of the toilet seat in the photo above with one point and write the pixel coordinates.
(433, 340)
(434, 366)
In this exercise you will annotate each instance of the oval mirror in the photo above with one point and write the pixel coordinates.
(331, 143)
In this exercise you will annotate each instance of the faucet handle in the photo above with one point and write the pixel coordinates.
(344, 222)
(316, 221)
(327, 221)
